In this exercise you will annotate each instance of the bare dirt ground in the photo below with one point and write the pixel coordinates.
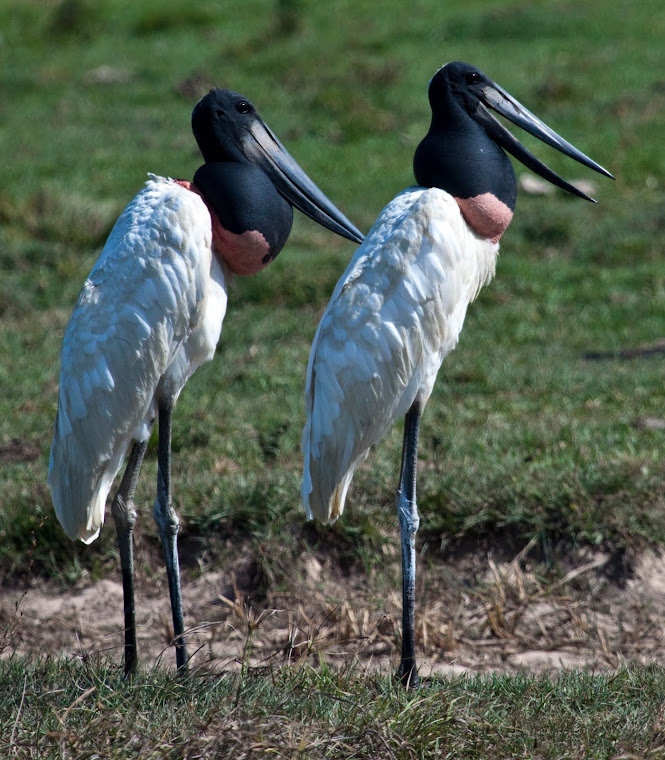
(475, 614)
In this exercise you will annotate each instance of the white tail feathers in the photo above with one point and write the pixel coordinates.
(80, 524)
(328, 506)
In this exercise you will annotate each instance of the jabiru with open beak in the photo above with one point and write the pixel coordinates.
(400, 305)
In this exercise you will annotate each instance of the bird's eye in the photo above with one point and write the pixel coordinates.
(473, 77)
(242, 106)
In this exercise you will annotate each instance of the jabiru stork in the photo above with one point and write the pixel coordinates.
(400, 305)
(151, 312)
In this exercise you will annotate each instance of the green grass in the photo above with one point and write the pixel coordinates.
(523, 438)
(522, 433)
(85, 709)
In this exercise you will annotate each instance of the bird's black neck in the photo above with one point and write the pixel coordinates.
(253, 220)
(245, 200)
(457, 156)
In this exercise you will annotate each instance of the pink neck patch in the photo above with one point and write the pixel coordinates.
(244, 254)
(486, 215)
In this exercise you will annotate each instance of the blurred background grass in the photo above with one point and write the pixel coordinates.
(524, 438)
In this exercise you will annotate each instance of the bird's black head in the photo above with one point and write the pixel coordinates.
(228, 128)
(465, 138)
(454, 89)
(457, 155)
(219, 121)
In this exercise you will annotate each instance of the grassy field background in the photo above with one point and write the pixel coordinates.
(527, 440)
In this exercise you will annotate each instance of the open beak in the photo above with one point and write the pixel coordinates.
(263, 148)
(497, 98)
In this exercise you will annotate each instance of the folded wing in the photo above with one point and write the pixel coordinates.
(394, 315)
(140, 303)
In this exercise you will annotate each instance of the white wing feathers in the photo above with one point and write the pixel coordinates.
(394, 315)
(142, 300)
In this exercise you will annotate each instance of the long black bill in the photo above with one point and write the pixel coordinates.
(497, 98)
(263, 148)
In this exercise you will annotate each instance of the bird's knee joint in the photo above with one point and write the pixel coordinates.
(407, 511)
(166, 519)
(124, 514)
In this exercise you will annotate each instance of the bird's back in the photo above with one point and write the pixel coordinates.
(394, 315)
(140, 303)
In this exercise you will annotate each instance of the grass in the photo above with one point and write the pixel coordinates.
(524, 438)
(520, 426)
(84, 709)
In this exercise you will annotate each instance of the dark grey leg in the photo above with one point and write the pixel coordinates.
(168, 524)
(124, 516)
(409, 521)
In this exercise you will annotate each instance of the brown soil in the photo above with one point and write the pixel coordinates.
(475, 614)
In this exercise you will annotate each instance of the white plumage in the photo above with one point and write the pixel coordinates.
(395, 314)
(148, 315)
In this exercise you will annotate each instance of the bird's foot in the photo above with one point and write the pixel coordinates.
(131, 667)
(407, 673)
